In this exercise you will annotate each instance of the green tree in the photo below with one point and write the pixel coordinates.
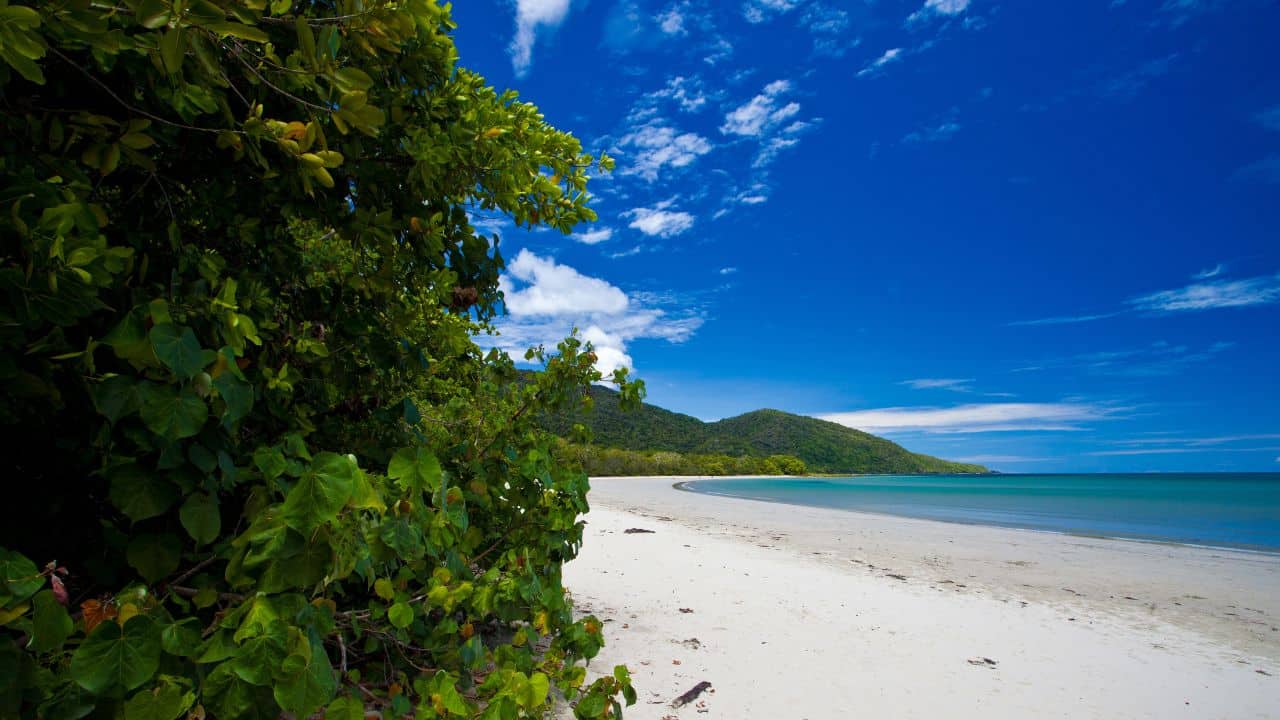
(256, 462)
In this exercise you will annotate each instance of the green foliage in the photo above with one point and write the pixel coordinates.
(667, 443)
(261, 462)
(603, 461)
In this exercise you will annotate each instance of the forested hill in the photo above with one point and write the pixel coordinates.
(825, 447)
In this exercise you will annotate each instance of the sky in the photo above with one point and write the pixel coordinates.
(1040, 236)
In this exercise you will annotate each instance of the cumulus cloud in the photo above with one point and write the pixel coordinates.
(975, 418)
(530, 16)
(656, 145)
(546, 301)
(888, 56)
(553, 289)
(594, 237)
(659, 220)
(1211, 294)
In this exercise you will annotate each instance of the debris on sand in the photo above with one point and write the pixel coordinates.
(692, 695)
(633, 531)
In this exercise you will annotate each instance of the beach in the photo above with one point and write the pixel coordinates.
(799, 612)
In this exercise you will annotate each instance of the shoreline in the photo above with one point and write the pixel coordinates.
(804, 612)
(1272, 552)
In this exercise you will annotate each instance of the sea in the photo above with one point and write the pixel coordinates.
(1229, 510)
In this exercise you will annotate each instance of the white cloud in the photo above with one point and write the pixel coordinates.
(999, 459)
(757, 11)
(658, 220)
(1158, 359)
(671, 20)
(938, 8)
(974, 418)
(1211, 294)
(657, 145)
(1064, 320)
(553, 289)
(594, 237)
(938, 133)
(1180, 451)
(728, 270)
(625, 253)
(1207, 273)
(761, 112)
(546, 301)
(827, 26)
(889, 56)
(530, 16)
(687, 92)
(1198, 441)
(957, 384)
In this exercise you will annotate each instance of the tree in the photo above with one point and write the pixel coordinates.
(256, 461)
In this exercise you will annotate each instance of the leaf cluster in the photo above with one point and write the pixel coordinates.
(257, 463)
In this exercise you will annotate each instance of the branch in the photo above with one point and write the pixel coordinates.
(131, 108)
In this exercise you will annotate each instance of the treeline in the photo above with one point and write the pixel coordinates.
(599, 461)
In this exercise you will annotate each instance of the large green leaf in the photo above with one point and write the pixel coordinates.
(154, 555)
(50, 624)
(115, 659)
(129, 338)
(116, 397)
(172, 413)
(238, 396)
(179, 350)
(181, 638)
(344, 708)
(140, 493)
(310, 686)
(321, 493)
(400, 615)
(201, 518)
(19, 577)
(166, 701)
(230, 696)
(415, 469)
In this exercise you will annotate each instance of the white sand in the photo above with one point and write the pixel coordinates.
(795, 615)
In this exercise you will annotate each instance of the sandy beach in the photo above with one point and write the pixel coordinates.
(796, 612)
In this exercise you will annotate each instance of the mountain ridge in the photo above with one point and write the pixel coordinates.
(824, 446)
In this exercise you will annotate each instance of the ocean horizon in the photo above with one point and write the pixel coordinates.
(1226, 510)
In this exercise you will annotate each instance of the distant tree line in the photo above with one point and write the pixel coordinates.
(601, 461)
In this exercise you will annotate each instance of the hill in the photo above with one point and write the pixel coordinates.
(825, 447)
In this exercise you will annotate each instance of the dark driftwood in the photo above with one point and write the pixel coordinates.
(632, 531)
(692, 695)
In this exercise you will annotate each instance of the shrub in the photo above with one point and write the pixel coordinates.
(256, 461)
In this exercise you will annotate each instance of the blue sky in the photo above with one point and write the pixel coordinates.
(1041, 236)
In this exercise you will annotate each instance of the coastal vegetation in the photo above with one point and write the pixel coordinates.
(652, 441)
(257, 466)
(603, 461)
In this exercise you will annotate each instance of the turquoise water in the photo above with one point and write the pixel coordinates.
(1239, 510)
